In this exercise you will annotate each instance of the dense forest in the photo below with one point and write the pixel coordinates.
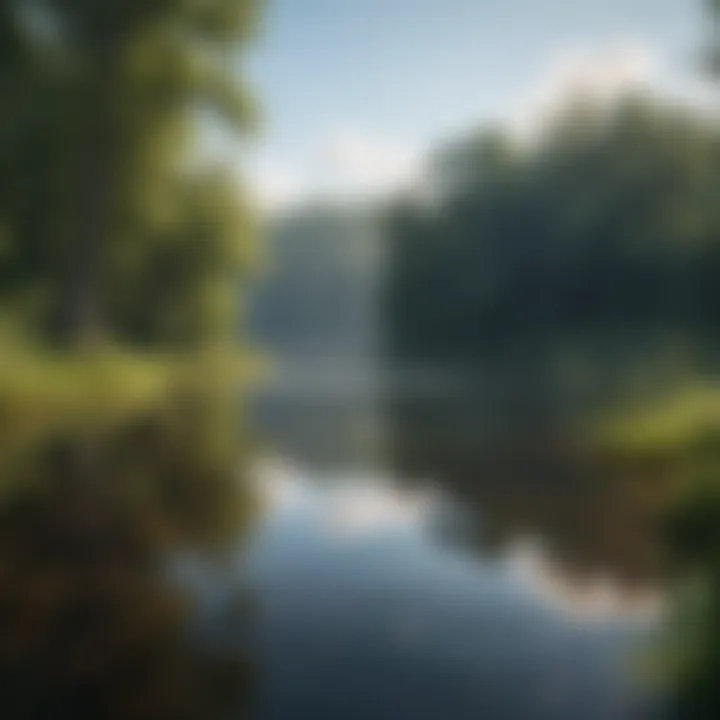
(588, 256)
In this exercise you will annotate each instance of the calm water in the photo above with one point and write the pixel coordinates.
(141, 578)
(364, 612)
(386, 595)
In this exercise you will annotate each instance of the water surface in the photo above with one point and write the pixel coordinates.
(369, 608)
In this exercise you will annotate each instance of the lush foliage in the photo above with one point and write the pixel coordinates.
(111, 227)
(586, 259)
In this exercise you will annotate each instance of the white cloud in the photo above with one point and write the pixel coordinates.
(351, 508)
(276, 185)
(344, 163)
(594, 597)
(601, 74)
(359, 510)
(347, 161)
(359, 163)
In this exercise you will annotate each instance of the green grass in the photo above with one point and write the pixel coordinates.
(40, 391)
(667, 426)
(42, 394)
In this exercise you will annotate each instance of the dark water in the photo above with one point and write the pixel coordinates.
(141, 577)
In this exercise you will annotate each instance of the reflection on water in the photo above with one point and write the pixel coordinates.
(93, 623)
(452, 567)
(366, 614)
(143, 576)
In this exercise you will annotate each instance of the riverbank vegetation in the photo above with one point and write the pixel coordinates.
(122, 247)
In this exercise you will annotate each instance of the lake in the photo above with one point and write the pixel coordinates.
(362, 563)
(384, 595)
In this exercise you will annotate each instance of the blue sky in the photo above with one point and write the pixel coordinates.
(372, 83)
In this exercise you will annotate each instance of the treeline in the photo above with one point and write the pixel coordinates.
(588, 257)
(318, 295)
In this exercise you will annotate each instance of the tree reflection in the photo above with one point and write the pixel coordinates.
(92, 622)
(546, 485)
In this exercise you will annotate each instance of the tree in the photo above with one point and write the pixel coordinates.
(108, 101)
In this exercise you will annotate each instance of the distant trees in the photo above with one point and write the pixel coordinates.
(318, 294)
(597, 246)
